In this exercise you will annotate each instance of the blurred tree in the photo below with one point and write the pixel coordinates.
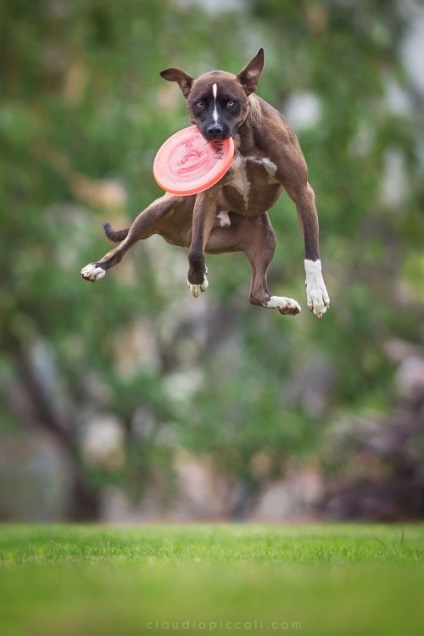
(82, 113)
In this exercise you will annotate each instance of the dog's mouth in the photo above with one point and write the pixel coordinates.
(216, 136)
(216, 132)
(221, 133)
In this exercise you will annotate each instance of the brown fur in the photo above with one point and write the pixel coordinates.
(267, 161)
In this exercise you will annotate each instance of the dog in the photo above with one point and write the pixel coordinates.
(232, 215)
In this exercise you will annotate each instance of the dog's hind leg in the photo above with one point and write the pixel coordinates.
(259, 247)
(146, 224)
(256, 238)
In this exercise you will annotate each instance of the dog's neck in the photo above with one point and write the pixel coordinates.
(245, 137)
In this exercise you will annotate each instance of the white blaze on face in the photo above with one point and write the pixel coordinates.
(215, 110)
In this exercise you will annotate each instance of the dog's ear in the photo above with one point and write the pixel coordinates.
(177, 75)
(249, 76)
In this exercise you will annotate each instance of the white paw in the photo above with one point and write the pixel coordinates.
(286, 306)
(92, 272)
(223, 219)
(196, 290)
(316, 292)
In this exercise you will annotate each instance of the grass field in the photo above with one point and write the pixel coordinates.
(320, 579)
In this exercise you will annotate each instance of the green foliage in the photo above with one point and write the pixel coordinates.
(82, 113)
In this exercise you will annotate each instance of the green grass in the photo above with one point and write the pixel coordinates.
(320, 579)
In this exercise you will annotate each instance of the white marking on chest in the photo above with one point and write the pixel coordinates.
(215, 109)
(268, 165)
(239, 179)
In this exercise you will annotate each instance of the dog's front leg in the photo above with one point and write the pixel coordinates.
(203, 220)
(316, 291)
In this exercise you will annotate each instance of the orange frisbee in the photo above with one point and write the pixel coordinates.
(187, 163)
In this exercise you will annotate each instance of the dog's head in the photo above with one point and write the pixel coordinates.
(218, 101)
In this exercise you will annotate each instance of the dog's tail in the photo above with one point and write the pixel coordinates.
(115, 235)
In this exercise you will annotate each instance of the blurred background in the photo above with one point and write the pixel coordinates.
(131, 401)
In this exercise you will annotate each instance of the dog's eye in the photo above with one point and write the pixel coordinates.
(230, 103)
(200, 105)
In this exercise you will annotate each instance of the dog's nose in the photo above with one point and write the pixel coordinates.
(215, 131)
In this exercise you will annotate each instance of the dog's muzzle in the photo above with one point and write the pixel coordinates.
(216, 132)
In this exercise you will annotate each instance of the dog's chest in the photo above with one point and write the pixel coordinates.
(251, 184)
